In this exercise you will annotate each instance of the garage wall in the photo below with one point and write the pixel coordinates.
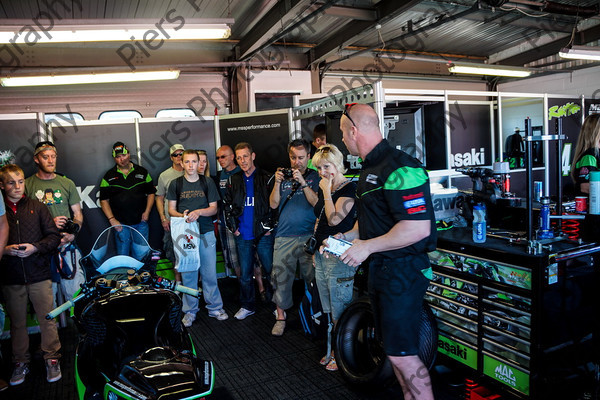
(202, 92)
(335, 83)
(575, 83)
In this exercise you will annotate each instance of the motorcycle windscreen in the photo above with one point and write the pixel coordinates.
(119, 247)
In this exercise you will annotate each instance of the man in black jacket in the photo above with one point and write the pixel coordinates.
(25, 273)
(249, 217)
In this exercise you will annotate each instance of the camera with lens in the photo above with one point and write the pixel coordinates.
(70, 227)
(288, 173)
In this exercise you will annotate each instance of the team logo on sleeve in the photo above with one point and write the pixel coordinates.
(414, 203)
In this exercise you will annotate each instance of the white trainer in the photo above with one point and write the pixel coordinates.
(243, 313)
(220, 315)
(188, 319)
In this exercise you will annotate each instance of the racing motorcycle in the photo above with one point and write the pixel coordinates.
(133, 344)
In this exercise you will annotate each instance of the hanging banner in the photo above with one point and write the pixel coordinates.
(471, 134)
(267, 132)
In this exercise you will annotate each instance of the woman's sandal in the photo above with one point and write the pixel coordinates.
(325, 360)
(332, 366)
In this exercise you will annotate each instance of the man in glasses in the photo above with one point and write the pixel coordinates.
(162, 206)
(226, 160)
(396, 227)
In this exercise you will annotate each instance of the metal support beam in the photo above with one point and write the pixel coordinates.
(266, 27)
(386, 10)
(552, 48)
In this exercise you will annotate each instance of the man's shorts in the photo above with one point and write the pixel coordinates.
(396, 288)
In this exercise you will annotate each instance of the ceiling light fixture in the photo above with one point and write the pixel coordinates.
(114, 30)
(486, 69)
(74, 79)
(580, 53)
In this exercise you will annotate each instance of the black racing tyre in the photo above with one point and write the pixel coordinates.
(359, 354)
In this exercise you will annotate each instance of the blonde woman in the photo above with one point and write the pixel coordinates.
(587, 153)
(203, 165)
(335, 211)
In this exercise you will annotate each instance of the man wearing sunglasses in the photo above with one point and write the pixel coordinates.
(396, 227)
(162, 206)
(226, 160)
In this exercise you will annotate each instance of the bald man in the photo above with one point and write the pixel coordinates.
(396, 227)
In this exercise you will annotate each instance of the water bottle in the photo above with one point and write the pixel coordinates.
(545, 231)
(479, 228)
(594, 207)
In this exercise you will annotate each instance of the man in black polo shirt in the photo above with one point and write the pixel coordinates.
(396, 227)
(126, 198)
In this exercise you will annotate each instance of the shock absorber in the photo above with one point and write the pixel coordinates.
(570, 227)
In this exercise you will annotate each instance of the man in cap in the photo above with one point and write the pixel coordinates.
(62, 198)
(126, 197)
(162, 206)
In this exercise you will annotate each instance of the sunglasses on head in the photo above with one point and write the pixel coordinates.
(324, 149)
(347, 112)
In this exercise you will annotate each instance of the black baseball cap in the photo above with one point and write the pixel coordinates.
(119, 148)
(45, 145)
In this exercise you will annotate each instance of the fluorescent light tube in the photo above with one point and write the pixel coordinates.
(60, 34)
(581, 53)
(485, 69)
(46, 80)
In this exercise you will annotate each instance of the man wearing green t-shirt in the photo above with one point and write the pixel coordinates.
(61, 197)
(55, 191)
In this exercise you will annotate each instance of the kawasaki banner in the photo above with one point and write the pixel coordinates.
(457, 351)
(471, 132)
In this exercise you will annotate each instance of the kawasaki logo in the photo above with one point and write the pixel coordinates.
(563, 111)
(466, 159)
(506, 375)
(447, 203)
(457, 350)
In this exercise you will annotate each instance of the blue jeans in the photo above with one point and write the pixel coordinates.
(335, 281)
(246, 250)
(128, 247)
(208, 271)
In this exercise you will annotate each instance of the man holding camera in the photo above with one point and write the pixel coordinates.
(56, 191)
(61, 197)
(294, 194)
(249, 217)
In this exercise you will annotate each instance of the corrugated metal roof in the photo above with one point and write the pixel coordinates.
(511, 30)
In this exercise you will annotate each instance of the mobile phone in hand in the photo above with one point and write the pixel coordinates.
(21, 248)
(337, 246)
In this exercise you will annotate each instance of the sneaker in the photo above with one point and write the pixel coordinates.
(278, 328)
(18, 375)
(188, 319)
(221, 315)
(53, 373)
(243, 313)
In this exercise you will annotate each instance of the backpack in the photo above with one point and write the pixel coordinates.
(315, 322)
